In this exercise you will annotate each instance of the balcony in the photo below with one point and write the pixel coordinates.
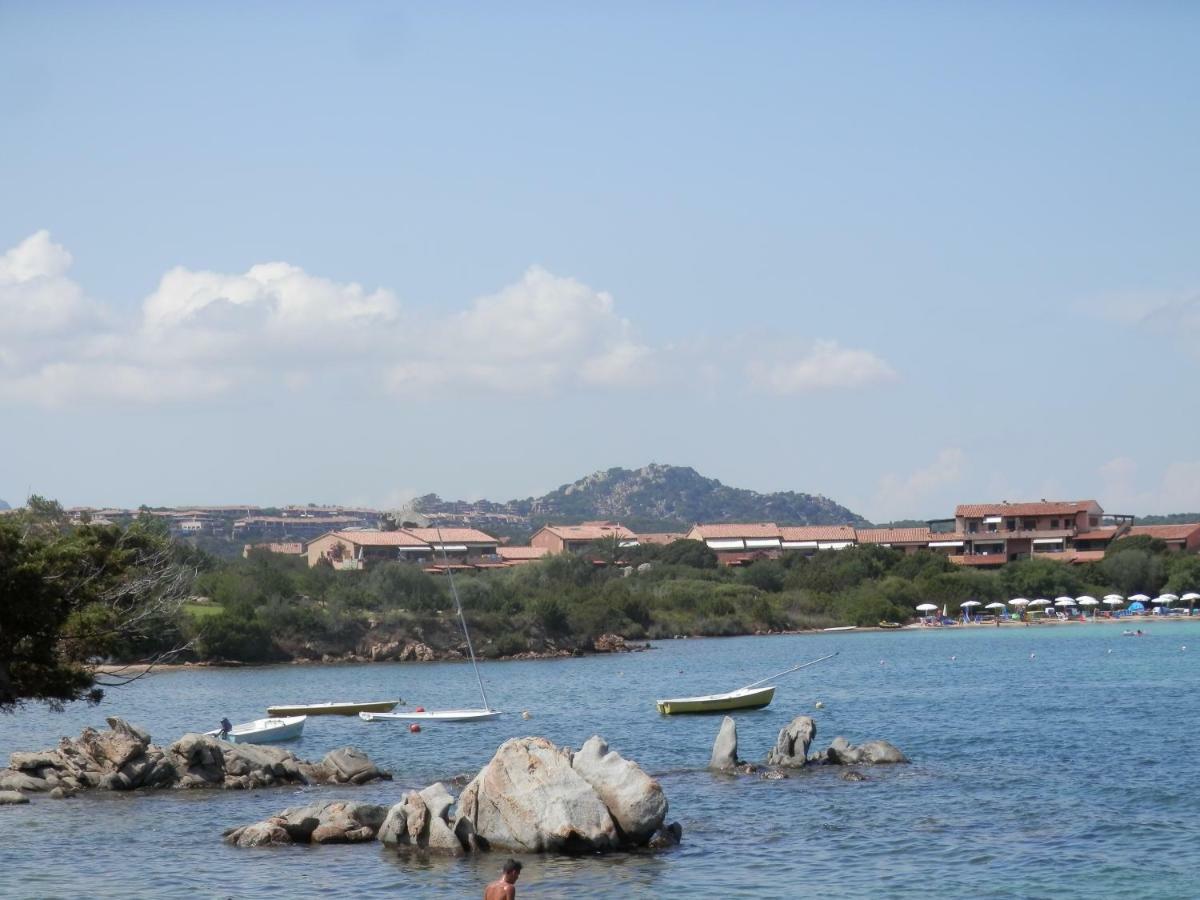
(1002, 534)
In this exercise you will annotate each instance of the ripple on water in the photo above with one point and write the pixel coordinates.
(1068, 775)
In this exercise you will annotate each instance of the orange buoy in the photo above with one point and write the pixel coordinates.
(414, 728)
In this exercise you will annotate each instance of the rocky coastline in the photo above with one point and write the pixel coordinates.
(123, 759)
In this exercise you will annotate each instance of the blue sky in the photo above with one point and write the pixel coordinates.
(904, 255)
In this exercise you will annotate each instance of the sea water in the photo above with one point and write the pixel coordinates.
(1052, 761)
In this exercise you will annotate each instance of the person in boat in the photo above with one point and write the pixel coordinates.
(226, 727)
(504, 887)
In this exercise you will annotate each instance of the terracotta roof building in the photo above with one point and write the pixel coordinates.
(573, 538)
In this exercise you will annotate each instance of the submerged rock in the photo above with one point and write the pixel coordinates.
(123, 759)
(842, 753)
(12, 798)
(791, 746)
(328, 822)
(724, 751)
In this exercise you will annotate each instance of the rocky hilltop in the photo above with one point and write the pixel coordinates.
(654, 497)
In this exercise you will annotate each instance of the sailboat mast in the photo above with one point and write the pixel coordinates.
(461, 618)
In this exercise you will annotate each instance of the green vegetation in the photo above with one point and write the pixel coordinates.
(72, 595)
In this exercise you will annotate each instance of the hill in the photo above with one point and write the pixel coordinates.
(652, 498)
(4, 505)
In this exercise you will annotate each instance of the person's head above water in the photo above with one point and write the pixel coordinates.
(512, 870)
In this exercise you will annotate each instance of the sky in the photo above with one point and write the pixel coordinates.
(902, 255)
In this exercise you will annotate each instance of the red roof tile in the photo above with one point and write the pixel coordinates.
(1167, 532)
(1044, 508)
(664, 537)
(452, 535)
(894, 535)
(381, 538)
(817, 533)
(737, 530)
(514, 553)
(1099, 534)
(590, 532)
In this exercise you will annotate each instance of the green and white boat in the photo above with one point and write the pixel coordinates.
(753, 696)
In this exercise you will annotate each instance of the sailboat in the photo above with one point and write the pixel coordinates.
(446, 715)
(752, 696)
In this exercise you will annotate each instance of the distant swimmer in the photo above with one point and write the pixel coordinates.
(504, 887)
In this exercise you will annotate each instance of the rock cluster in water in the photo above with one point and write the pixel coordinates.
(792, 746)
(123, 759)
(532, 796)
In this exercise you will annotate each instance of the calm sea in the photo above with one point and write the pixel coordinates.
(1047, 762)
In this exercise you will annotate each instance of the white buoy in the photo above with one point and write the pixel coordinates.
(1110, 649)
(526, 715)
(819, 705)
(1032, 655)
(953, 658)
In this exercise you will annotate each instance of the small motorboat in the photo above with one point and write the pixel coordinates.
(435, 715)
(333, 709)
(264, 731)
(742, 698)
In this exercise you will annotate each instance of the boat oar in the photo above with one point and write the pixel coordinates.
(789, 671)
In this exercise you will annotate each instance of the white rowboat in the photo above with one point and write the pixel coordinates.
(333, 709)
(264, 731)
(437, 715)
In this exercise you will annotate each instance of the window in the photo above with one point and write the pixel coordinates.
(1029, 524)
(1054, 523)
(1011, 524)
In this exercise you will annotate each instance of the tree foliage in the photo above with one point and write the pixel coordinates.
(72, 596)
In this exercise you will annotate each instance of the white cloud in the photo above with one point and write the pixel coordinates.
(541, 334)
(827, 366)
(1171, 313)
(903, 496)
(201, 334)
(36, 296)
(1176, 491)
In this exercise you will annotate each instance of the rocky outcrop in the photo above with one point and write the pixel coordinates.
(421, 820)
(724, 751)
(529, 798)
(12, 798)
(791, 746)
(123, 759)
(328, 822)
(610, 643)
(532, 796)
(634, 800)
(398, 651)
(842, 753)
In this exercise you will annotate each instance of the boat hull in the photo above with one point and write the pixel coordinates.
(755, 698)
(442, 715)
(265, 731)
(332, 709)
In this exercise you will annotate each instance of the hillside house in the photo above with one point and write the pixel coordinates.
(574, 538)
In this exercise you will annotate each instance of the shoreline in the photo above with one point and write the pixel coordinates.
(145, 668)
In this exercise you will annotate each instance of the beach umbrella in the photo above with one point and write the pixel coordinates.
(967, 603)
(1113, 598)
(926, 607)
(1039, 602)
(996, 605)
(1064, 601)
(1160, 601)
(1138, 598)
(1018, 601)
(1088, 601)
(1170, 597)
(1190, 597)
